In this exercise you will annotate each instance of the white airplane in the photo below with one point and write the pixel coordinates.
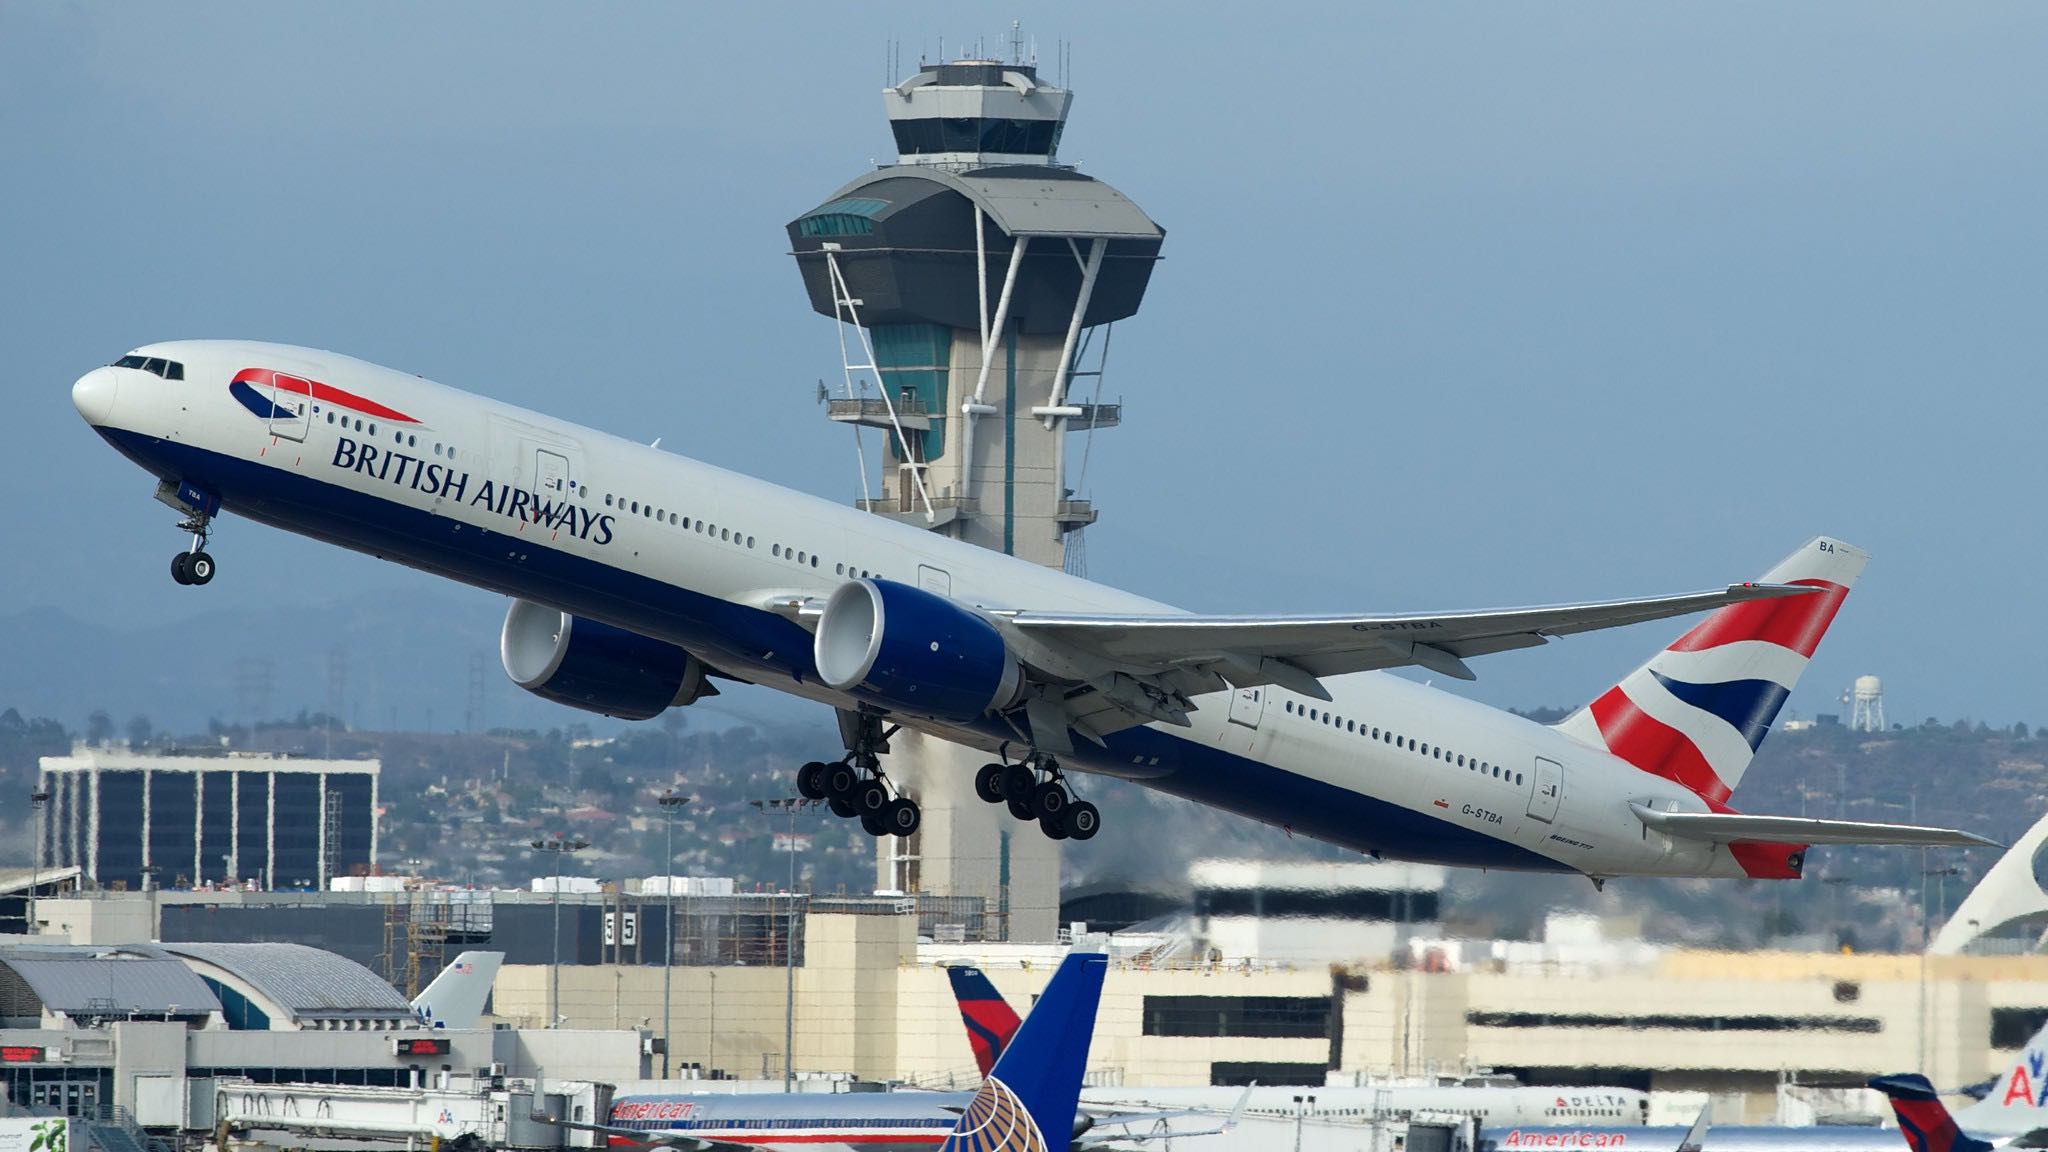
(638, 575)
(455, 998)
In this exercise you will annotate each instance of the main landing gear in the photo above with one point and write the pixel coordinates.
(194, 566)
(1039, 793)
(855, 785)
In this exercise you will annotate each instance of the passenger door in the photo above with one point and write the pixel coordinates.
(550, 473)
(1549, 790)
(291, 406)
(1247, 706)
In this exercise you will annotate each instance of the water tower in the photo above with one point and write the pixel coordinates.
(1866, 705)
(975, 281)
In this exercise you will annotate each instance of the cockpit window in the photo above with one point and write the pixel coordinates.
(168, 369)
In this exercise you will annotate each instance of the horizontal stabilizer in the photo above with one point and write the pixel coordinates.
(1732, 827)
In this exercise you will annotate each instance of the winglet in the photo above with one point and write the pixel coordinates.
(1028, 1101)
(1924, 1121)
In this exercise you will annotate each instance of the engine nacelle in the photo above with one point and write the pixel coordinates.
(914, 651)
(596, 667)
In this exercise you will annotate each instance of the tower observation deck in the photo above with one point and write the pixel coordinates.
(975, 273)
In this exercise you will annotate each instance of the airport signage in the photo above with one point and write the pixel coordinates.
(23, 1054)
(34, 1134)
(419, 1046)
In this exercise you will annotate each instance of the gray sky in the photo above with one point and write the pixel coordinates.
(1462, 305)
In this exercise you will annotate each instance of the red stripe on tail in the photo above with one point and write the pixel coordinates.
(1654, 746)
(1795, 622)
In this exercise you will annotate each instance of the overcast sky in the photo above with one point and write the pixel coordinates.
(1461, 306)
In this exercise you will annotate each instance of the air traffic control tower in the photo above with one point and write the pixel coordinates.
(975, 281)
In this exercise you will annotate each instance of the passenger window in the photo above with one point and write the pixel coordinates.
(814, 561)
(330, 417)
(373, 429)
(607, 499)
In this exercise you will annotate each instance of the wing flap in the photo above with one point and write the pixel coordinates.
(1733, 827)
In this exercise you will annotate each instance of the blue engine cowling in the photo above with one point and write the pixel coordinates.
(596, 667)
(914, 651)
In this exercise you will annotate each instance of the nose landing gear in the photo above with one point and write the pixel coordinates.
(194, 566)
(1046, 800)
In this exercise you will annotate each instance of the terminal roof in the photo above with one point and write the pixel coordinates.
(88, 981)
(304, 982)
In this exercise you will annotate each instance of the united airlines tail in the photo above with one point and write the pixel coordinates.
(1028, 1101)
(1924, 1121)
(989, 1019)
(1697, 712)
(456, 997)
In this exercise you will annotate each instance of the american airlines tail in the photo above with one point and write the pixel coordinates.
(2018, 1100)
(456, 997)
(1924, 1122)
(1028, 1100)
(1697, 712)
(989, 1019)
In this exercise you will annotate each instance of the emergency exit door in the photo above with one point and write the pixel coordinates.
(1549, 790)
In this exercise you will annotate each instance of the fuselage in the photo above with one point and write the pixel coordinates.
(1492, 1106)
(867, 1121)
(588, 523)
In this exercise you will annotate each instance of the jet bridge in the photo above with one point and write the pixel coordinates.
(480, 1112)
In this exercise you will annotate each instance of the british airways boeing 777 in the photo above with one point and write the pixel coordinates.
(639, 577)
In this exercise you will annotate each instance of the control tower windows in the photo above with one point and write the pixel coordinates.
(975, 134)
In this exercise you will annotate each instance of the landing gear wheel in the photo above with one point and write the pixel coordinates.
(1049, 801)
(902, 816)
(198, 568)
(1082, 820)
(841, 807)
(1054, 827)
(841, 780)
(1018, 781)
(1021, 809)
(810, 780)
(178, 572)
(988, 783)
(872, 824)
(871, 799)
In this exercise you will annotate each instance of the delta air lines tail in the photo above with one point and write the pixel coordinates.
(990, 1020)
(1924, 1122)
(1028, 1100)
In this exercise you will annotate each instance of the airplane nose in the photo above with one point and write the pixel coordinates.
(93, 396)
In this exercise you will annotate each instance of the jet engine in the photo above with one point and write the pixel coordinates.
(596, 667)
(914, 651)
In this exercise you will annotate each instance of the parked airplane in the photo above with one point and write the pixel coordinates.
(638, 575)
(1034, 1090)
(990, 1022)
(2014, 1114)
(455, 998)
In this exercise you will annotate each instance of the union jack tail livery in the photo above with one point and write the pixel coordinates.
(1028, 1100)
(1697, 712)
(1923, 1120)
(989, 1018)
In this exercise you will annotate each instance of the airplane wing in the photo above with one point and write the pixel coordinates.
(1293, 650)
(1121, 670)
(1731, 827)
(1161, 1127)
(646, 1138)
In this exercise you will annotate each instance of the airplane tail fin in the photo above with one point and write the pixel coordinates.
(456, 997)
(2018, 1100)
(1924, 1121)
(1697, 712)
(1029, 1099)
(989, 1019)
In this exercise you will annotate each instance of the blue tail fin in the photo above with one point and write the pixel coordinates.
(1028, 1101)
(1923, 1121)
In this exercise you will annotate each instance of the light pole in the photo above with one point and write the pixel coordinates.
(788, 806)
(670, 805)
(557, 847)
(36, 800)
(1303, 1105)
